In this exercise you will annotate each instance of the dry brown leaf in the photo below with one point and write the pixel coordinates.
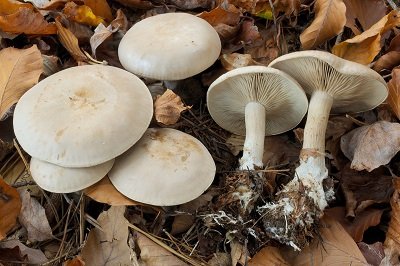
(39, 3)
(264, 6)
(50, 64)
(236, 60)
(334, 246)
(364, 47)
(152, 254)
(100, 8)
(33, 218)
(392, 241)
(81, 14)
(387, 61)
(101, 33)
(27, 21)
(357, 226)
(373, 253)
(29, 255)
(330, 18)
(220, 259)
(77, 261)
(394, 92)
(140, 4)
(366, 12)
(8, 7)
(10, 207)
(168, 108)
(20, 70)
(70, 42)
(268, 256)
(104, 192)
(108, 246)
(229, 15)
(59, 4)
(239, 253)
(191, 4)
(371, 146)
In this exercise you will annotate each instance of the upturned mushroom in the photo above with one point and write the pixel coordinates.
(171, 46)
(332, 83)
(83, 116)
(165, 167)
(60, 179)
(256, 101)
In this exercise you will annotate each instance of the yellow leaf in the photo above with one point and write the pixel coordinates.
(81, 14)
(20, 70)
(394, 92)
(364, 47)
(330, 18)
(266, 14)
(100, 8)
(168, 108)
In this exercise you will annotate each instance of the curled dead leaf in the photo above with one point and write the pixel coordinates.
(10, 207)
(236, 60)
(168, 108)
(81, 14)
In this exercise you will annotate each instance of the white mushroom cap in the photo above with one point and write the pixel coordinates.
(282, 97)
(60, 179)
(354, 87)
(165, 167)
(83, 116)
(170, 46)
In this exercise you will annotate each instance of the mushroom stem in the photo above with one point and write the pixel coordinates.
(253, 148)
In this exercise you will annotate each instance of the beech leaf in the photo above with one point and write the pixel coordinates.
(70, 42)
(394, 92)
(10, 206)
(30, 255)
(367, 13)
(236, 60)
(100, 8)
(108, 246)
(330, 18)
(268, 256)
(81, 14)
(8, 7)
(168, 108)
(364, 47)
(20, 70)
(371, 146)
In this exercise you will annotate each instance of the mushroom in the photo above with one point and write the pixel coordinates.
(171, 46)
(256, 101)
(83, 116)
(60, 179)
(333, 83)
(165, 167)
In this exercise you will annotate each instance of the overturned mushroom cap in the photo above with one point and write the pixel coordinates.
(60, 179)
(165, 167)
(282, 97)
(83, 116)
(170, 46)
(354, 87)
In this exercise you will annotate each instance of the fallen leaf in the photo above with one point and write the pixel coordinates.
(220, 259)
(108, 246)
(101, 33)
(228, 15)
(81, 14)
(140, 4)
(20, 70)
(168, 108)
(104, 192)
(29, 255)
(334, 246)
(10, 207)
(152, 254)
(264, 6)
(366, 13)
(330, 18)
(239, 253)
(8, 7)
(357, 226)
(268, 256)
(373, 253)
(27, 21)
(371, 146)
(100, 8)
(50, 64)
(364, 47)
(191, 4)
(77, 261)
(236, 60)
(59, 4)
(393, 98)
(387, 61)
(362, 189)
(38, 3)
(392, 240)
(33, 218)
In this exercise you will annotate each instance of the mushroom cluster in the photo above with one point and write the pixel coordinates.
(75, 122)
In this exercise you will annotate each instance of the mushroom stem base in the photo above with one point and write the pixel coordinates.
(293, 218)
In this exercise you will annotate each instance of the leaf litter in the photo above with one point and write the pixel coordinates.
(39, 38)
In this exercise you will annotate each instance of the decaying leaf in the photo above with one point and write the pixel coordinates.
(168, 108)
(28, 255)
(10, 206)
(152, 254)
(334, 246)
(101, 33)
(391, 58)
(100, 8)
(33, 218)
(140, 4)
(50, 64)
(239, 253)
(371, 146)
(394, 92)
(330, 18)
(392, 241)
(268, 256)
(77, 261)
(220, 259)
(109, 245)
(373, 253)
(229, 15)
(104, 191)
(20, 70)
(236, 60)
(81, 14)
(364, 47)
